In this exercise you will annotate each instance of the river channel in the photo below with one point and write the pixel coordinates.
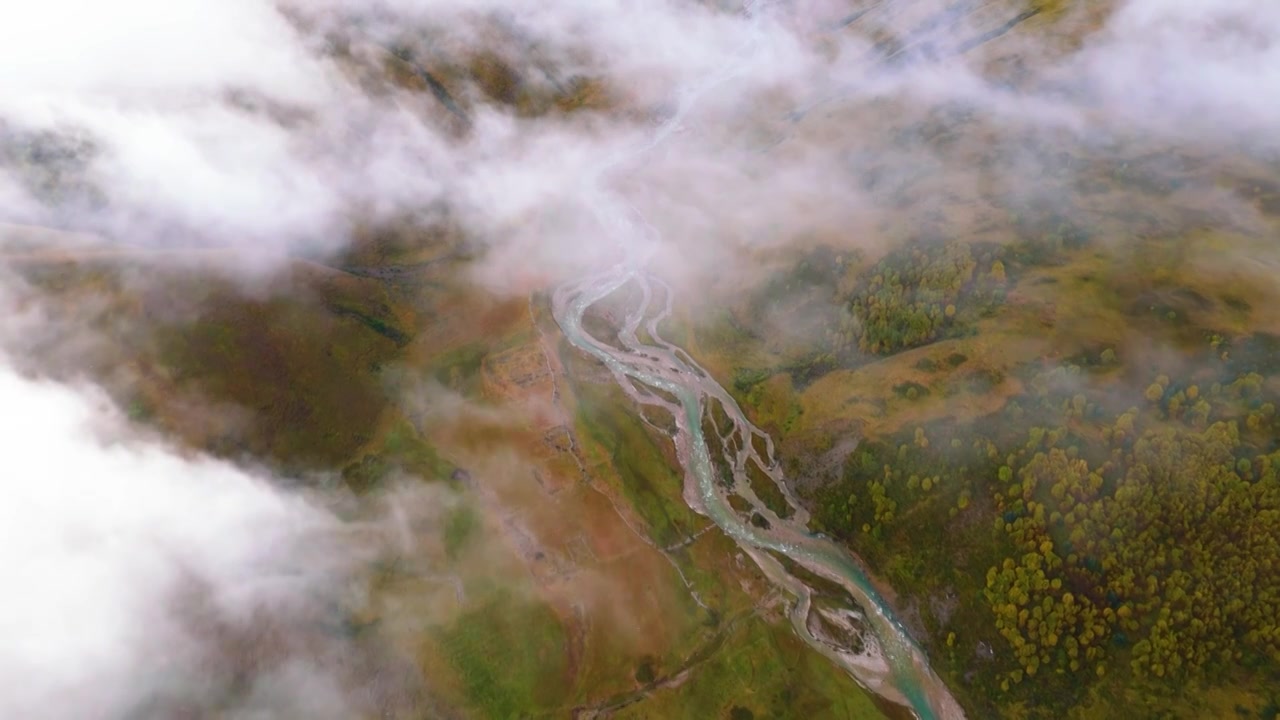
(864, 638)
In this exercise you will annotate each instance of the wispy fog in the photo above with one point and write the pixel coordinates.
(181, 123)
(127, 563)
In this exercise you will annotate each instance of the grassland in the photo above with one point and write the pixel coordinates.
(556, 567)
(762, 670)
(510, 657)
(1112, 317)
(506, 609)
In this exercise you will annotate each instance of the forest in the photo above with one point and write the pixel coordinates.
(1106, 534)
(1144, 540)
(919, 294)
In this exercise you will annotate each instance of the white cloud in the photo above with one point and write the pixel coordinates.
(150, 79)
(100, 531)
(92, 52)
(96, 535)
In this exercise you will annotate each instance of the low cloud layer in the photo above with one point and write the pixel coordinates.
(1208, 70)
(183, 123)
(129, 562)
(244, 123)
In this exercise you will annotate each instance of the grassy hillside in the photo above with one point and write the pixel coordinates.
(1030, 375)
(1058, 449)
